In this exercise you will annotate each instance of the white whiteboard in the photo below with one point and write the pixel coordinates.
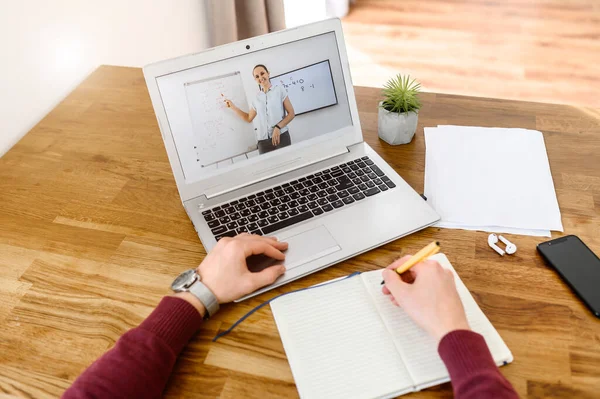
(219, 133)
(309, 88)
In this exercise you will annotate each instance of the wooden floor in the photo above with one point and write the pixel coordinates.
(532, 50)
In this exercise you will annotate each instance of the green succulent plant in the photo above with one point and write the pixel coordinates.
(401, 94)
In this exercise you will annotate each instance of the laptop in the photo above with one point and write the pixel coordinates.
(263, 136)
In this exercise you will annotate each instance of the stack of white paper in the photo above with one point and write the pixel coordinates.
(490, 179)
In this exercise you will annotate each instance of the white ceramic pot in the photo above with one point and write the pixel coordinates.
(395, 128)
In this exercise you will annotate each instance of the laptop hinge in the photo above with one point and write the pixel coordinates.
(277, 170)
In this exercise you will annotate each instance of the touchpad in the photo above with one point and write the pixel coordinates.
(303, 248)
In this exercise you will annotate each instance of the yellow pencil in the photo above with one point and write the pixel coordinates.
(420, 256)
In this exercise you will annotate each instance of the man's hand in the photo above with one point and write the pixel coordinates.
(276, 136)
(224, 270)
(427, 293)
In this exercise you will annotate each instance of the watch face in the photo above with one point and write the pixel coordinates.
(184, 280)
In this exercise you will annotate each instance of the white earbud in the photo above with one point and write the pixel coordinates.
(492, 241)
(510, 247)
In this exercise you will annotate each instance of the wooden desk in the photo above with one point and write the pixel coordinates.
(92, 232)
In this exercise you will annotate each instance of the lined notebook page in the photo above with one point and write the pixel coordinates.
(417, 348)
(337, 345)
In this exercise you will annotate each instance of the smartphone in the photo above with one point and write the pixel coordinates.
(577, 265)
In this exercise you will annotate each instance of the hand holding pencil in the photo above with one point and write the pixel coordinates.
(431, 299)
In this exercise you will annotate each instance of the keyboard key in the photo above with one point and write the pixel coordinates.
(332, 197)
(206, 212)
(362, 186)
(365, 157)
(361, 164)
(269, 190)
(275, 202)
(310, 177)
(358, 196)
(352, 175)
(372, 175)
(293, 204)
(356, 181)
(377, 181)
(322, 201)
(304, 192)
(246, 212)
(263, 214)
(242, 222)
(368, 162)
(230, 210)
(250, 203)
(331, 190)
(390, 183)
(265, 205)
(279, 193)
(298, 187)
(354, 167)
(273, 211)
(314, 189)
(219, 230)
(336, 173)
(262, 222)
(240, 207)
(252, 226)
(295, 196)
(359, 173)
(293, 212)
(288, 222)
(335, 168)
(348, 200)
(289, 190)
(294, 182)
(317, 211)
(323, 185)
(252, 218)
(241, 230)
(208, 217)
(255, 209)
(353, 190)
(235, 216)
(324, 193)
(312, 197)
(365, 178)
(257, 232)
(383, 187)
(303, 200)
(371, 191)
(319, 174)
(252, 196)
(216, 208)
(346, 169)
(332, 182)
(302, 179)
(302, 208)
(317, 180)
(344, 183)
(283, 216)
(270, 197)
(327, 176)
(285, 198)
(272, 219)
(370, 184)
(231, 225)
(213, 223)
(313, 205)
(337, 204)
(377, 170)
(286, 185)
(283, 207)
(225, 219)
(327, 208)
(343, 194)
(220, 214)
(230, 233)
(234, 203)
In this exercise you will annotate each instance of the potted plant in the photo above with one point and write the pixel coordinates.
(398, 112)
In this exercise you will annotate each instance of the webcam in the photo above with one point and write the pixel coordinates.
(247, 47)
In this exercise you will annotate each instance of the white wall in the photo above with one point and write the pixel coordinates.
(49, 47)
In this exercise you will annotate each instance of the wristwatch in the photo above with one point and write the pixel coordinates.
(277, 126)
(191, 282)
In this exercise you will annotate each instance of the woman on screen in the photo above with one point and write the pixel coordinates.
(271, 105)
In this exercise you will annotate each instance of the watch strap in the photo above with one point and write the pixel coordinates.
(206, 296)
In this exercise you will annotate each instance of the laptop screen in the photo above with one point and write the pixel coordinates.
(227, 112)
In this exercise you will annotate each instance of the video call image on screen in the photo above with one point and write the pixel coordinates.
(226, 112)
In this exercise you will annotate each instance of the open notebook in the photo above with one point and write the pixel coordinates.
(347, 340)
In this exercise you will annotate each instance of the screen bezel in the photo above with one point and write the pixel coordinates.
(267, 165)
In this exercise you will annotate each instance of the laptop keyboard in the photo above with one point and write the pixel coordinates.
(282, 206)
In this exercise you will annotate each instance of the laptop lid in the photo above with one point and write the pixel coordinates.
(213, 149)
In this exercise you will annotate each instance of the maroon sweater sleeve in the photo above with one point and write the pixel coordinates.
(472, 370)
(140, 363)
